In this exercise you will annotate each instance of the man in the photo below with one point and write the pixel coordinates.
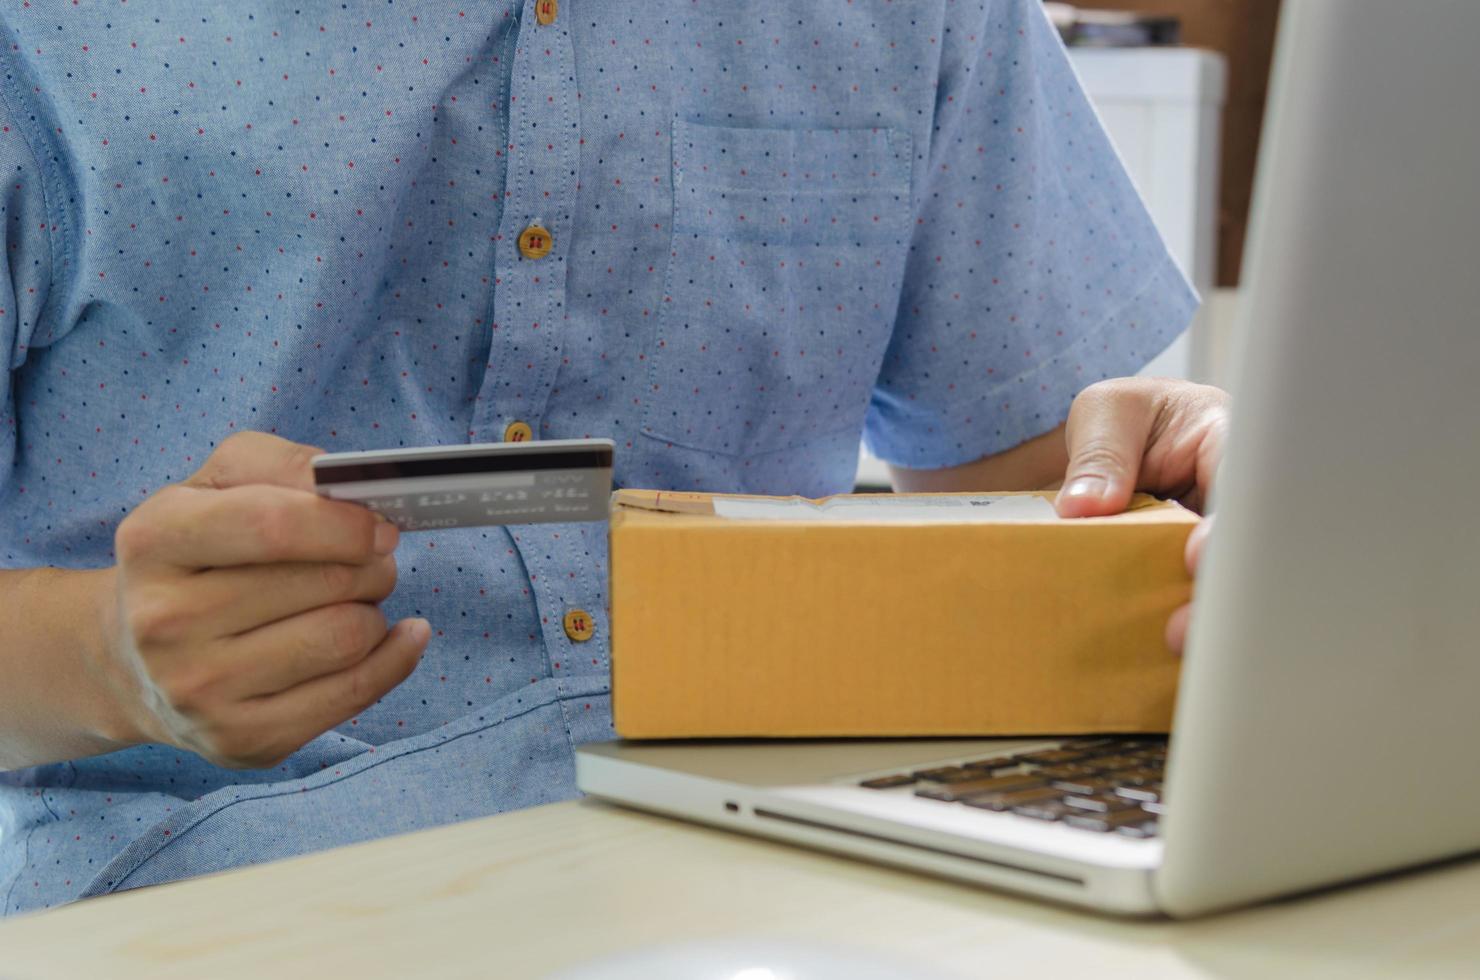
(728, 236)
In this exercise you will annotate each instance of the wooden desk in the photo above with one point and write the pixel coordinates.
(522, 894)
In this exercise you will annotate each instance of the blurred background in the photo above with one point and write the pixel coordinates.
(1180, 86)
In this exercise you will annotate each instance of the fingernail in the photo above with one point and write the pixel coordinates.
(1087, 486)
(419, 630)
(386, 538)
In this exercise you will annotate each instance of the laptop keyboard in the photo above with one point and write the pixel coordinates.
(1102, 785)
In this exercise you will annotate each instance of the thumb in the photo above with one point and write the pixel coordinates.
(1108, 427)
(254, 458)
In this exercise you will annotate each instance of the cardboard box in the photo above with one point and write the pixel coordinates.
(885, 615)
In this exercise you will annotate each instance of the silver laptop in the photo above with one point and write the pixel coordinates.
(1328, 725)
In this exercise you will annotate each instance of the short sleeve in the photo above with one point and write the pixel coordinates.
(1034, 268)
(25, 263)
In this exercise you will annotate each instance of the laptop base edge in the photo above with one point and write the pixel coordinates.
(754, 811)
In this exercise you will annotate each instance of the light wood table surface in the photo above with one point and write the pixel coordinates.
(526, 893)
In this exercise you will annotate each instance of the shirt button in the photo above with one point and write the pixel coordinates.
(534, 242)
(517, 431)
(546, 11)
(578, 625)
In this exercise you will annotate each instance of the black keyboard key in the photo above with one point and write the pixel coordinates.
(1085, 785)
(1104, 823)
(938, 792)
(1099, 803)
(1007, 799)
(1047, 810)
(888, 782)
(1120, 746)
(957, 774)
(1113, 763)
(1068, 770)
(1085, 744)
(990, 765)
(958, 792)
(1141, 794)
(941, 774)
(1050, 757)
(1139, 777)
(1138, 830)
(1153, 763)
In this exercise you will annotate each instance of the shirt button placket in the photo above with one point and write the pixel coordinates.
(542, 155)
(529, 309)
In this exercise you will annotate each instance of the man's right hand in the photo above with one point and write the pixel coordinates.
(244, 619)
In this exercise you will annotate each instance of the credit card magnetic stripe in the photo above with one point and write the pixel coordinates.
(561, 459)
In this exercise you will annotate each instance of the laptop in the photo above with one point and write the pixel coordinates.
(1328, 719)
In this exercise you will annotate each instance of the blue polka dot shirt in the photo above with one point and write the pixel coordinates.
(775, 228)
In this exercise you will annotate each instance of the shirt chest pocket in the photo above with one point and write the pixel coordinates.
(782, 284)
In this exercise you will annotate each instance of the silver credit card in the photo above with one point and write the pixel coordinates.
(484, 483)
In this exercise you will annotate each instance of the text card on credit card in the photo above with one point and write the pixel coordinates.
(484, 483)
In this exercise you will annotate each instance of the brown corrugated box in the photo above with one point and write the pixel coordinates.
(725, 626)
